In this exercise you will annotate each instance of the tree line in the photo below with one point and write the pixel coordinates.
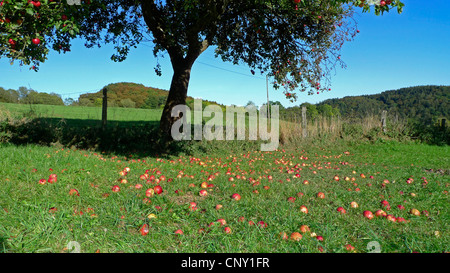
(26, 95)
(424, 104)
(421, 103)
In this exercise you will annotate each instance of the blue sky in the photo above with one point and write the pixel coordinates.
(391, 51)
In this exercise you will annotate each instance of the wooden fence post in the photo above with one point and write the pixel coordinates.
(304, 123)
(443, 120)
(104, 109)
(383, 120)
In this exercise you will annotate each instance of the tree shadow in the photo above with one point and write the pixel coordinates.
(139, 138)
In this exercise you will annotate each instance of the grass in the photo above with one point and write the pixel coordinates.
(110, 221)
(82, 113)
(38, 217)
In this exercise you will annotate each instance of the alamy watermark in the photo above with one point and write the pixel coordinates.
(374, 2)
(373, 247)
(73, 2)
(258, 123)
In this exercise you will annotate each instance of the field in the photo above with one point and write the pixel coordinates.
(81, 205)
(62, 199)
(82, 113)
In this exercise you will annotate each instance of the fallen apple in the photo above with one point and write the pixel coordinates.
(304, 229)
(236, 197)
(368, 214)
(158, 189)
(303, 209)
(296, 236)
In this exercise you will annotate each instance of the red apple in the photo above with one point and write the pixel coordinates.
(158, 189)
(179, 232)
(380, 213)
(36, 41)
(144, 230)
(74, 192)
(391, 217)
(149, 192)
(368, 214)
(321, 195)
(236, 196)
(203, 193)
(304, 209)
(193, 206)
(341, 210)
(52, 178)
(222, 221)
(227, 230)
(349, 247)
(415, 212)
(291, 199)
(296, 236)
(262, 224)
(304, 228)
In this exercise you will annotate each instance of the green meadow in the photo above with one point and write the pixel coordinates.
(56, 196)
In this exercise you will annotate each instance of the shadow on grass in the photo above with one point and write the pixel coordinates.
(119, 137)
(122, 138)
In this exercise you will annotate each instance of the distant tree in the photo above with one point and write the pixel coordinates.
(9, 96)
(85, 102)
(69, 102)
(311, 111)
(23, 93)
(325, 110)
(34, 97)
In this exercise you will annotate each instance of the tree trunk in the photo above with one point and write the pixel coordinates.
(177, 95)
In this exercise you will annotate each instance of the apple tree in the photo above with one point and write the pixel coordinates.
(295, 42)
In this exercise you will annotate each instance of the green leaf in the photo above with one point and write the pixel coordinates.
(30, 11)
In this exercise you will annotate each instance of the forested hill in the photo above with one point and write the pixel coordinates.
(424, 103)
(131, 95)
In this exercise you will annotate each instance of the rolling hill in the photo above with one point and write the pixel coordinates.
(132, 95)
(424, 103)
